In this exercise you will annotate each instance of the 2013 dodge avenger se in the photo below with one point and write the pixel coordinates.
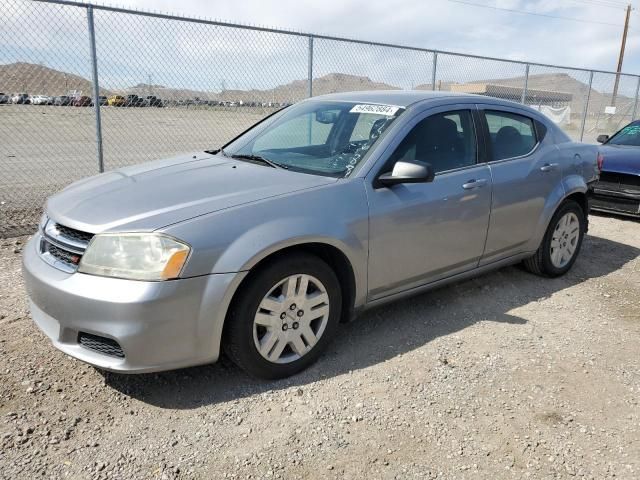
(337, 203)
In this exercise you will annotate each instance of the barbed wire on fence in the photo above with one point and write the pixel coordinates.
(89, 88)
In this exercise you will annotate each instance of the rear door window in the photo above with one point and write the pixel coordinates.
(512, 135)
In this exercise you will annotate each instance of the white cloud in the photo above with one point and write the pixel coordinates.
(134, 49)
(442, 24)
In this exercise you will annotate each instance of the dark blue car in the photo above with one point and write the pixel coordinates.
(618, 190)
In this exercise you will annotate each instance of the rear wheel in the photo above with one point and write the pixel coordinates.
(284, 317)
(561, 243)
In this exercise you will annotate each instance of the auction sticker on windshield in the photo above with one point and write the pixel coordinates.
(388, 110)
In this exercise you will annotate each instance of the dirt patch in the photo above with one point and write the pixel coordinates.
(504, 376)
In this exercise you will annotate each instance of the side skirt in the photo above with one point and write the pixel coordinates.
(438, 283)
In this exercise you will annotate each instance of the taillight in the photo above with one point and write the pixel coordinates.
(600, 161)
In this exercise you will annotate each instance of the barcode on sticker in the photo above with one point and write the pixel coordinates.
(388, 110)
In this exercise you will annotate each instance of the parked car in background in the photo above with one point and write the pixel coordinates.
(62, 100)
(116, 101)
(20, 98)
(102, 99)
(41, 100)
(336, 204)
(153, 101)
(4, 98)
(134, 101)
(618, 190)
(81, 101)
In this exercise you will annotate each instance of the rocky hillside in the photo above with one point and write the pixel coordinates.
(298, 89)
(558, 82)
(36, 79)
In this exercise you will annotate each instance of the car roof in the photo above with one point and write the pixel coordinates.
(401, 98)
(405, 98)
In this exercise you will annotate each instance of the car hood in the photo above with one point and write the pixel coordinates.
(156, 194)
(621, 159)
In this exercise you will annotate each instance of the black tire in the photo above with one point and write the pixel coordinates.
(540, 263)
(238, 339)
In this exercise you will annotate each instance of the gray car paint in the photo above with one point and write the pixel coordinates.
(148, 196)
(234, 214)
(423, 232)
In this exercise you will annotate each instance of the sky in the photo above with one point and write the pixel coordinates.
(450, 25)
(135, 49)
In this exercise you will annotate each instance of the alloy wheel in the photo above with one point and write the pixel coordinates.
(291, 318)
(564, 240)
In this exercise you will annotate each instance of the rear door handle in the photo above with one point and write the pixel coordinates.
(471, 184)
(547, 167)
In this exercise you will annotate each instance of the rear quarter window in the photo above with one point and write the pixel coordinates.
(512, 135)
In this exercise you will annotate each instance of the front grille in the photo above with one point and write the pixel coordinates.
(69, 258)
(609, 181)
(104, 345)
(630, 184)
(72, 234)
(615, 204)
(63, 247)
(619, 181)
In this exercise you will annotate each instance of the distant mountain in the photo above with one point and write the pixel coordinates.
(289, 93)
(556, 82)
(299, 89)
(38, 79)
(35, 79)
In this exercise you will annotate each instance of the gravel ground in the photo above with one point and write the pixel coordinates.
(504, 376)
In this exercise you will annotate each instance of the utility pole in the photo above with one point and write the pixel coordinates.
(621, 57)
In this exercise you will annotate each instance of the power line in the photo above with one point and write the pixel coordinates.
(606, 3)
(601, 3)
(524, 12)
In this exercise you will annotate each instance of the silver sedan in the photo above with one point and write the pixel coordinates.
(333, 205)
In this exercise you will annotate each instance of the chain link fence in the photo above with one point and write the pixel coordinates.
(88, 88)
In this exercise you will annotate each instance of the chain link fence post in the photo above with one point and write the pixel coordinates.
(96, 87)
(433, 73)
(310, 86)
(586, 106)
(635, 104)
(523, 100)
(310, 66)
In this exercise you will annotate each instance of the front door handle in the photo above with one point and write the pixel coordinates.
(547, 167)
(471, 184)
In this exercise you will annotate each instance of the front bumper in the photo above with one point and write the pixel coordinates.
(158, 325)
(615, 201)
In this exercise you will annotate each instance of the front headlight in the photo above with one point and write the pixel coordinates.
(135, 256)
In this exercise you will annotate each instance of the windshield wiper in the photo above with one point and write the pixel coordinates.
(257, 158)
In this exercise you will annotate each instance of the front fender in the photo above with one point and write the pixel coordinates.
(236, 239)
(264, 239)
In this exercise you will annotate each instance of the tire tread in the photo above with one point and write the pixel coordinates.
(235, 343)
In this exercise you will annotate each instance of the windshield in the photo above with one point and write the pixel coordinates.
(319, 137)
(629, 135)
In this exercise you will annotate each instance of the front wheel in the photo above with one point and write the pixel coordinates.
(284, 317)
(561, 243)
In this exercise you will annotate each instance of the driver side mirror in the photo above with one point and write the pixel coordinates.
(407, 172)
(602, 138)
